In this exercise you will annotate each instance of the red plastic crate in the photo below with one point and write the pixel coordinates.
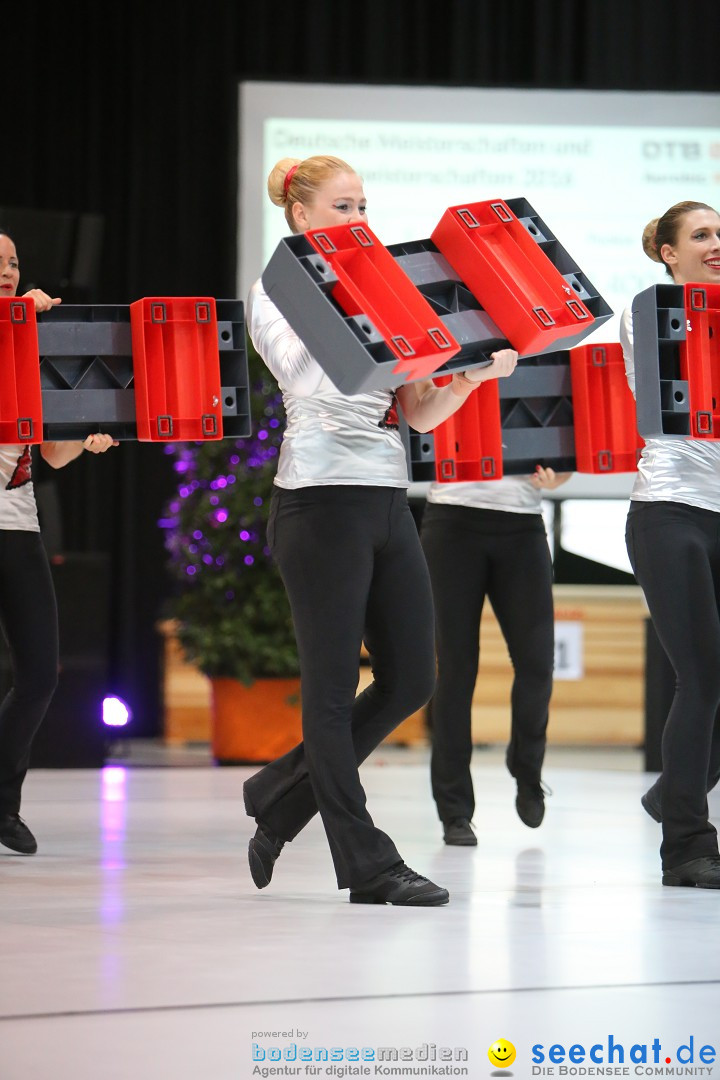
(509, 274)
(468, 445)
(20, 394)
(700, 358)
(370, 282)
(176, 368)
(606, 436)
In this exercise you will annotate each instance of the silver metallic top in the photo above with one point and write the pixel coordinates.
(515, 494)
(330, 438)
(672, 468)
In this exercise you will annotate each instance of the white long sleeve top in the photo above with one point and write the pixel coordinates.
(330, 438)
(672, 468)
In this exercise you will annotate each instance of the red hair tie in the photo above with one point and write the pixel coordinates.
(288, 179)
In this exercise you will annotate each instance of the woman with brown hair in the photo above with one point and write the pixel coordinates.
(28, 611)
(486, 540)
(673, 539)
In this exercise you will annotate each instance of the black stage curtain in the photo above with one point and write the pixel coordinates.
(130, 111)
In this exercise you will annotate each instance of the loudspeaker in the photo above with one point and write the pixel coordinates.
(72, 735)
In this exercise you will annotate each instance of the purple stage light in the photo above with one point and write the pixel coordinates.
(115, 712)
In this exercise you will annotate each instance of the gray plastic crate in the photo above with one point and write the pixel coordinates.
(661, 395)
(86, 371)
(564, 263)
(536, 420)
(351, 350)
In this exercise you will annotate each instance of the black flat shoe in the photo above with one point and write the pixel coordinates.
(400, 886)
(650, 806)
(263, 850)
(459, 832)
(703, 873)
(14, 834)
(530, 802)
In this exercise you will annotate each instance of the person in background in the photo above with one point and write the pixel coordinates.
(346, 544)
(487, 540)
(673, 540)
(28, 609)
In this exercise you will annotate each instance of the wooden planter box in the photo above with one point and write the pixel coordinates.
(255, 723)
(605, 707)
(241, 733)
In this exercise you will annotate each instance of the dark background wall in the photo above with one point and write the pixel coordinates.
(130, 111)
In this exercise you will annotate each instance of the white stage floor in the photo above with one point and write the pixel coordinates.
(134, 944)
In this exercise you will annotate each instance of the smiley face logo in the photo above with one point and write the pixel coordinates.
(501, 1053)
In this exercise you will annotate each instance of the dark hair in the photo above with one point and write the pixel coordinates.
(664, 230)
(4, 232)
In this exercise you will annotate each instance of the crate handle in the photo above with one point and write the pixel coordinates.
(581, 313)
(543, 317)
(324, 241)
(468, 218)
(361, 236)
(439, 337)
(501, 211)
(402, 345)
(703, 421)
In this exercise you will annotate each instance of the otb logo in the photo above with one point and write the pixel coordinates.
(501, 1053)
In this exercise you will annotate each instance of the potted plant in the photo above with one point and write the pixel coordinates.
(228, 604)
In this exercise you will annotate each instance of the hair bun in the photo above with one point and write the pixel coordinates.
(278, 182)
(649, 240)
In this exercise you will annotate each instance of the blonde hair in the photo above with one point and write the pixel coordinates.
(308, 176)
(664, 230)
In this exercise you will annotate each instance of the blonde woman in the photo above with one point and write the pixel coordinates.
(346, 544)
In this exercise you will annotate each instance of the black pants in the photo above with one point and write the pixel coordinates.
(353, 568)
(473, 554)
(28, 615)
(675, 552)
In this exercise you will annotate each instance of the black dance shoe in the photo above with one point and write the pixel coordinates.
(400, 886)
(702, 873)
(263, 850)
(530, 802)
(14, 834)
(651, 805)
(459, 832)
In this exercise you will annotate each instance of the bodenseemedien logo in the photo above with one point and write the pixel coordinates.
(344, 1062)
